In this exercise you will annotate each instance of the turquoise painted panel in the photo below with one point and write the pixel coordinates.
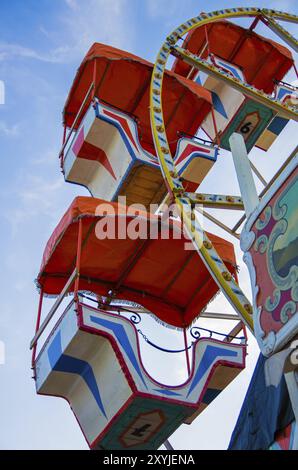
(145, 424)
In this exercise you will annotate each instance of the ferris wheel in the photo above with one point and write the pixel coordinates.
(133, 138)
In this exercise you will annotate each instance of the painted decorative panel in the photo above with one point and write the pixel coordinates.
(270, 242)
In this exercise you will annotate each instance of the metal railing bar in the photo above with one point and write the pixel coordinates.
(54, 308)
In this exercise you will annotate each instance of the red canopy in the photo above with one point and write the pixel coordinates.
(262, 60)
(123, 81)
(159, 274)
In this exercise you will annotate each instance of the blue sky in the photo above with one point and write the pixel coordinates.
(41, 45)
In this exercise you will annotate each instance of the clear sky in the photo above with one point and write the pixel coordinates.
(41, 45)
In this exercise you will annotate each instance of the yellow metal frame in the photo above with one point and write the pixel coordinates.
(201, 243)
(216, 201)
(283, 109)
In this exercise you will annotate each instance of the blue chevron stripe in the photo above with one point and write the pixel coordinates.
(218, 105)
(69, 364)
(199, 81)
(232, 69)
(282, 92)
(210, 354)
(123, 340)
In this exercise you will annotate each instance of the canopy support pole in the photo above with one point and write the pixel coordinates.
(94, 79)
(54, 308)
(37, 328)
(61, 156)
(254, 23)
(64, 133)
(217, 138)
(130, 264)
(207, 39)
(186, 351)
(75, 121)
(78, 261)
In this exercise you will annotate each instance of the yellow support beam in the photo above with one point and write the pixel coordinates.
(281, 32)
(280, 15)
(216, 201)
(248, 90)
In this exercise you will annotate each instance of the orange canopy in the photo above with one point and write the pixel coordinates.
(160, 274)
(123, 80)
(262, 60)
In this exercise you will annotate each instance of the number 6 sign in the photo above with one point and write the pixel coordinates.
(249, 124)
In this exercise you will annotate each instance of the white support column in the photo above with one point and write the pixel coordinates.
(244, 173)
(292, 384)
